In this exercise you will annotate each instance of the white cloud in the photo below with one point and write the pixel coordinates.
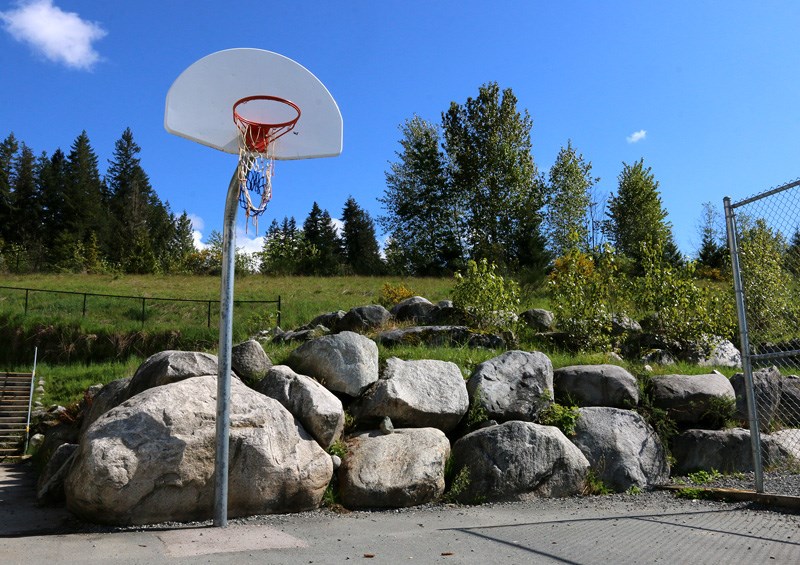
(197, 222)
(197, 236)
(338, 225)
(247, 242)
(62, 37)
(636, 136)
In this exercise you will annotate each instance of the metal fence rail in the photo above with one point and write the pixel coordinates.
(141, 301)
(764, 241)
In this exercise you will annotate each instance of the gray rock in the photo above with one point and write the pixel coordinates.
(445, 314)
(518, 460)
(402, 469)
(624, 324)
(538, 319)
(151, 459)
(345, 362)
(789, 409)
(249, 361)
(50, 487)
(516, 385)
(364, 318)
(415, 309)
(767, 386)
(111, 395)
(596, 385)
(320, 412)
(301, 335)
(712, 351)
(386, 427)
(337, 462)
(727, 451)
(330, 320)
(622, 448)
(658, 357)
(438, 336)
(692, 399)
(787, 444)
(169, 367)
(415, 394)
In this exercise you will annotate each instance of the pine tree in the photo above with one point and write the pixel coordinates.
(569, 189)
(8, 155)
(141, 223)
(83, 203)
(181, 246)
(713, 253)
(360, 246)
(636, 215)
(488, 146)
(322, 250)
(424, 217)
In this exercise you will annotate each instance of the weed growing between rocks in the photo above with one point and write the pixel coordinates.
(565, 418)
(594, 485)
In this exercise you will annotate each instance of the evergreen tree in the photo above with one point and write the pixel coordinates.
(51, 179)
(181, 246)
(713, 252)
(488, 147)
(569, 189)
(322, 250)
(25, 199)
(636, 215)
(282, 248)
(424, 216)
(141, 227)
(83, 204)
(360, 246)
(8, 155)
(792, 257)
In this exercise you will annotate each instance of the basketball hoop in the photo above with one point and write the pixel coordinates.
(257, 138)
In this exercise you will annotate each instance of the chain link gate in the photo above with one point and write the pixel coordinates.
(764, 242)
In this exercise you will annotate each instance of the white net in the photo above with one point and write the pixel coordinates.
(255, 181)
(261, 120)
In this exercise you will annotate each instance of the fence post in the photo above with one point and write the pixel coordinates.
(208, 324)
(279, 310)
(84, 305)
(143, 312)
(747, 368)
(26, 301)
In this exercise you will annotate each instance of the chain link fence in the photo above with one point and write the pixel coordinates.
(764, 241)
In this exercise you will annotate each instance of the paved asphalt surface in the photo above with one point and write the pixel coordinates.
(646, 528)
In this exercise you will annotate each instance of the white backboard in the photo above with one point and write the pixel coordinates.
(200, 102)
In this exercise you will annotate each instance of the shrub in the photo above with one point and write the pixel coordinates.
(563, 417)
(392, 294)
(581, 298)
(489, 300)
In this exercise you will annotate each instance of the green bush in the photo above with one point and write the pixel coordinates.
(582, 294)
(563, 417)
(489, 300)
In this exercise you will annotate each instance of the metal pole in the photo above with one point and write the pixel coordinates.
(224, 357)
(279, 310)
(752, 411)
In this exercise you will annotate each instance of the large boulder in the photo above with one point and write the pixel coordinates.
(168, 367)
(346, 362)
(320, 412)
(622, 448)
(364, 318)
(414, 309)
(787, 444)
(538, 319)
(713, 351)
(516, 461)
(596, 385)
(767, 387)
(789, 409)
(727, 451)
(50, 486)
(516, 385)
(151, 459)
(693, 399)
(249, 361)
(404, 468)
(416, 394)
(330, 320)
(440, 336)
(110, 395)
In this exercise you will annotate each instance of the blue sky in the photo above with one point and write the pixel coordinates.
(705, 92)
